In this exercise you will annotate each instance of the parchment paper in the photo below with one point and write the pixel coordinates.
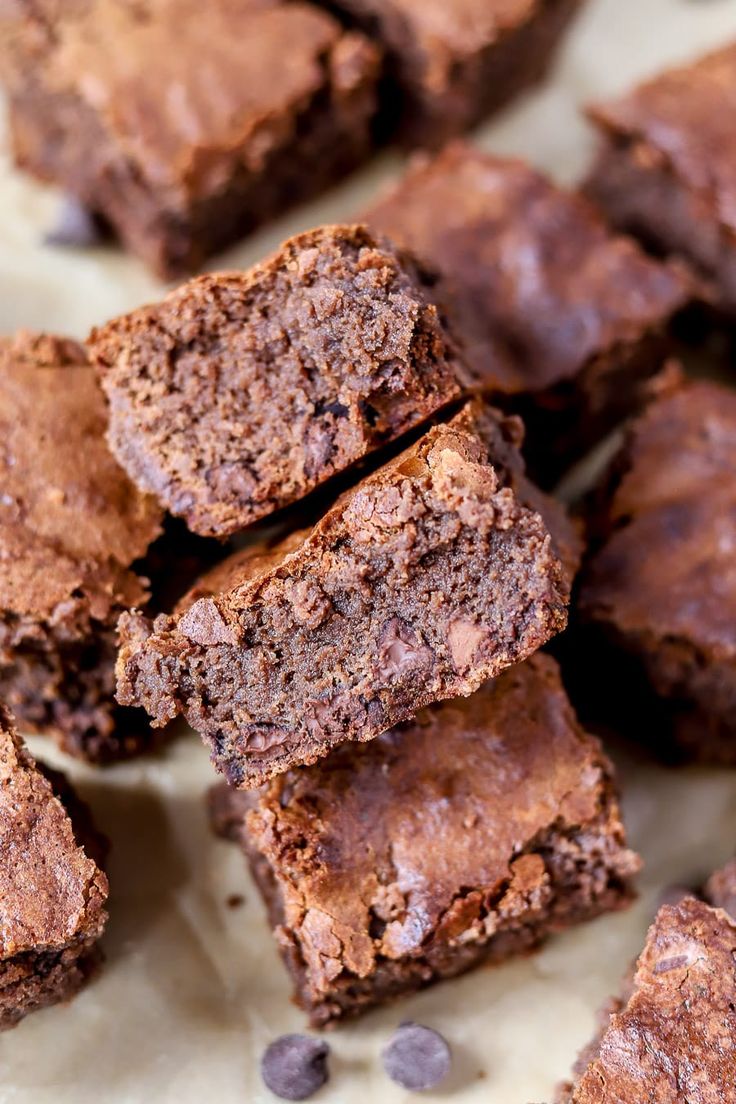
(193, 990)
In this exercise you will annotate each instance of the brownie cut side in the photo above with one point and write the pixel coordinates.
(185, 125)
(657, 604)
(52, 893)
(242, 392)
(672, 1035)
(665, 170)
(424, 581)
(558, 318)
(451, 65)
(467, 835)
(71, 526)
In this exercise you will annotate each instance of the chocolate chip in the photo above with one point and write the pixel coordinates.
(417, 1058)
(75, 227)
(295, 1066)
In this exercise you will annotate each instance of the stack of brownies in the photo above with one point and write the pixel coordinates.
(369, 422)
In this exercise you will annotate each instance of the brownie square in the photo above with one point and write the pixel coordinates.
(720, 889)
(425, 580)
(71, 526)
(557, 317)
(467, 835)
(186, 124)
(666, 170)
(449, 65)
(52, 892)
(672, 1035)
(657, 602)
(243, 391)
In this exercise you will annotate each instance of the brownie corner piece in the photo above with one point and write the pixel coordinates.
(665, 168)
(451, 65)
(556, 316)
(242, 392)
(71, 528)
(672, 1034)
(657, 595)
(185, 125)
(369, 902)
(425, 580)
(52, 892)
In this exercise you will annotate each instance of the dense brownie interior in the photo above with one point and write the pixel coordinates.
(241, 392)
(427, 579)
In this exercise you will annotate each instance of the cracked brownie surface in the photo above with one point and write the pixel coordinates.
(242, 392)
(186, 124)
(52, 893)
(425, 580)
(467, 834)
(672, 1036)
(659, 591)
(71, 525)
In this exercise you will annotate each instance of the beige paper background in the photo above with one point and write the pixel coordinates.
(193, 990)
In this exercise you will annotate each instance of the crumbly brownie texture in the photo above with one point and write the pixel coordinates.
(242, 392)
(52, 893)
(557, 317)
(424, 581)
(186, 124)
(666, 167)
(658, 597)
(450, 65)
(720, 889)
(672, 1035)
(71, 524)
(469, 834)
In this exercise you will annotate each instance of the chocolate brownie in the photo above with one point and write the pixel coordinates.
(71, 525)
(671, 1037)
(242, 392)
(52, 893)
(425, 580)
(560, 319)
(449, 65)
(466, 835)
(186, 124)
(720, 889)
(666, 168)
(657, 598)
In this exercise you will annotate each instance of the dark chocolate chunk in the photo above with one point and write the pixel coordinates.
(294, 1067)
(417, 1058)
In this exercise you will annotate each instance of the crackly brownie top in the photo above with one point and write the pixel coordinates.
(186, 89)
(532, 281)
(460, 28)
(69, 516)
(674, 1039)
(683, 117)
(668, 524)
(51, 892)
(241, 392)
(426, 829)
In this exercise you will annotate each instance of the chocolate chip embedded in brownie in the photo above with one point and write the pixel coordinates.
(452, 64)
(559, 318)
(242, 392)
(657, 602)
(71, 524)
(52, 893)
(467, 835)
(425, 580)
(672, 1035)
(666, 170)
(186, 124)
